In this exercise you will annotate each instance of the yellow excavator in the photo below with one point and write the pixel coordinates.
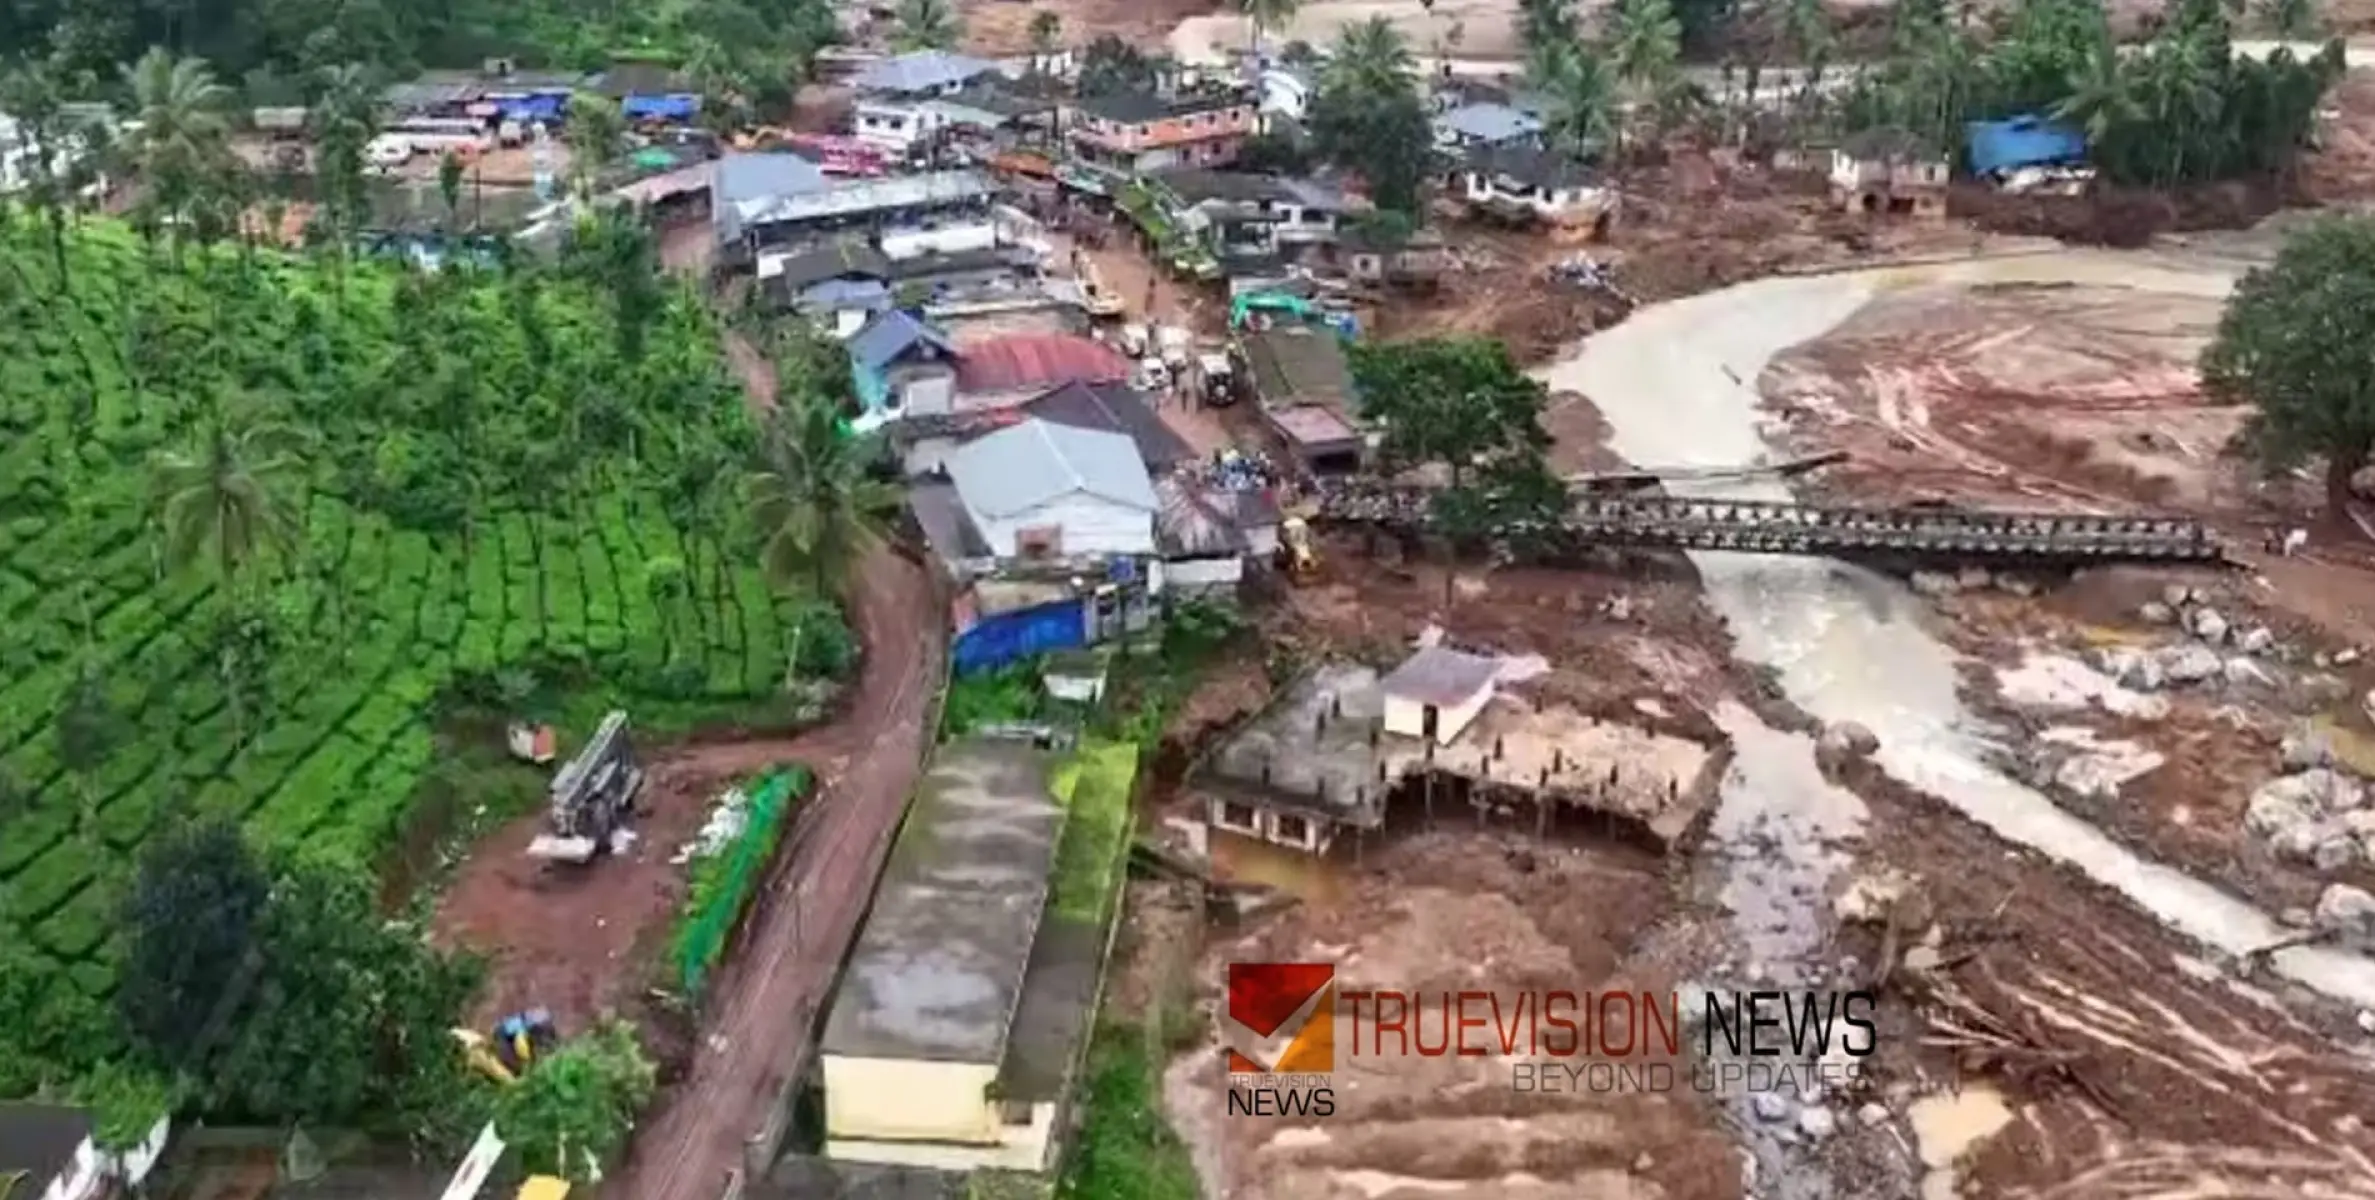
(1298, 553)
(519, 1040)
(543, 1187)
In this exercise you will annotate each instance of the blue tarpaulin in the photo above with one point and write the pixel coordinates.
(1011, 637)
(2028, 141)
(678, 106)
(543, 107)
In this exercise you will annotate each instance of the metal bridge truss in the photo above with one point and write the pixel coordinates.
(1831, 531)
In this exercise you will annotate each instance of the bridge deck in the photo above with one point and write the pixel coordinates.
(1828, 530)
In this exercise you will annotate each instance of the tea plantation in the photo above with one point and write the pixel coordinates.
(488, 476)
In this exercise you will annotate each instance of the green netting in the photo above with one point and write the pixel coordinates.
(723, 883)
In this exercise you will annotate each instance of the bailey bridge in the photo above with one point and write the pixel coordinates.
(1832, 531)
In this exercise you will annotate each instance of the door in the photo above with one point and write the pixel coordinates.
(1428, 719)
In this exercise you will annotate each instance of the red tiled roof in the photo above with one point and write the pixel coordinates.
(1038, 360)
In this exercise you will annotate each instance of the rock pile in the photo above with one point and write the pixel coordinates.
(1970, 579)
(2315, 814)
(2198, 659)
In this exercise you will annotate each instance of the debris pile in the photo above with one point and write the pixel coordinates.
(2316, 814)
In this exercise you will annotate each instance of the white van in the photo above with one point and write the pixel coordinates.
(388, 150)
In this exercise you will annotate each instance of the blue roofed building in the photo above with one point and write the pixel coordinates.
(670, 108)
(2029, 145)
(899, 362)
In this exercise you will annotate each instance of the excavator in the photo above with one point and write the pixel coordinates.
(593, 794)
(518, 1041)
(1298, 552)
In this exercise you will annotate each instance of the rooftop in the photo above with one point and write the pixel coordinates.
(1490, 122)
(893, 333)
(1138, 108)
(938, 972)
(947, 527)
(1312, 425)
(845, 198)
(1298, 363)
(1198, 521)
(1116, 408)
(1019, 468)
(1531, 166)
(1039, 360)
(920, 71)
(834, 260)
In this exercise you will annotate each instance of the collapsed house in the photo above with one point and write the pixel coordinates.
(1341, 747)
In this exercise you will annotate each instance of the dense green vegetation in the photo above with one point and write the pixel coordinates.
(2291, 343)
(723, 882)
(264, 521)
(572, 1115)
(1095, 786)
(275, 48)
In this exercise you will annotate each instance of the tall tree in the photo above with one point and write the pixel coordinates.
(1265, 17)
(180, 142)
(191, 918)
(344, 114)
(2291, 19)
(1581, 120)
(1110, 66)
(1047, 32)
(1370, 117)
(816, 509)
(2292, 344)
(1645, 50)
(32, 94)
(1457, 402)
(927, 25)
(596, 133)
(223, 501)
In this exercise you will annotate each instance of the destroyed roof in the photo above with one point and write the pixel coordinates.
(1021, 467)
(1114, 408)
(920, 71)
(948, 529)
(1314, 426)
(1442, 677)
(1490, 122)
(1196, 185)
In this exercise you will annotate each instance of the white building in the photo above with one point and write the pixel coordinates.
(1545, 185)
(1437, 694)
(1039, 491)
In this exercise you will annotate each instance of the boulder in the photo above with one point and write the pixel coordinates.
(1816, 1122)
(2207, 625)
(1932, 583)
(2258, 639)
(2130, 668)
(2276, 810)
(2347, 908)
(2189, 663)
(2305, 748)
(2156, 613)
(2331, 791)
(2346, 656)
(2334, 848)
(2016, 585)
(2244, 672)
(1769, 1106)
(1971, 579)
(2177, 595)
(1847, 739)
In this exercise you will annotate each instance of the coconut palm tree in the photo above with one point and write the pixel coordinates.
(1582, 94)
(223, 500)
(1370, 59)
(180, 141)
(31, 95)
(2293, 20)
(927, 25)
(344, 113)
(815, 508)
(1047, 32)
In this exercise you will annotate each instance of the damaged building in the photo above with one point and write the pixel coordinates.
(1342, 746)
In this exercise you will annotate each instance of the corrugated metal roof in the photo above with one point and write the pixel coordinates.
(765, 176)
(842, 198)
(1490, 122)
(920, 71)
(1020, 468)
(1037, 361)
(1115, 408)
(1191, 525)
(2028, 141)
(892, 334)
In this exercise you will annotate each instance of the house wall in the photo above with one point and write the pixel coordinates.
(1296, 831)
(1191, 576)
(1850, 173)
(1549, 202)
(892, 126)
(1091, 526)
(1299, 224)
(1181, 130)
(1407, 717)
(927, 455)
(924, 390)
(909, 1100)
(1023, 1147)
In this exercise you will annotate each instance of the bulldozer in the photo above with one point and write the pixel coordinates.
(592, 796)
(1298, 554)
(516, 1044)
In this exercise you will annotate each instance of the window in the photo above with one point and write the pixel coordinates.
(1430, 719)
(1238, 816)
(1014, 1112)
(1294, 829)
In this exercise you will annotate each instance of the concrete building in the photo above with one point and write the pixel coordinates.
(1146, 131)
(900, 363)
(1437, 693)
(1521, 183)
(1888, 171)
(1325, 759)
(1040, 491)
(959, 1026)
(1466, 126)
(921, 74)
(1299, 373)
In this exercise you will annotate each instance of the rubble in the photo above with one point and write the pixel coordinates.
(2347, 910)
(2313, 816)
